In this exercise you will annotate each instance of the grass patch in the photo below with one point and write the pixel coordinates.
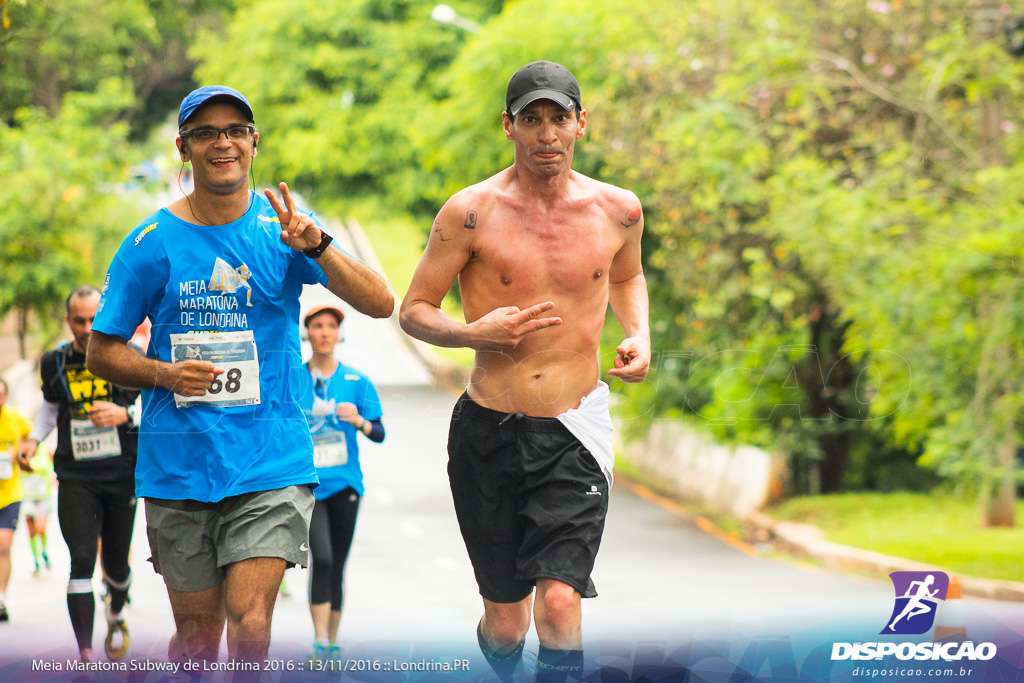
(462, 357)
(933, 528)
(398, 240)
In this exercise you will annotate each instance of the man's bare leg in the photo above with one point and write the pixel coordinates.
(199, 623)
(502, 634)
(505, 624)
(252, 587)
(558, 615)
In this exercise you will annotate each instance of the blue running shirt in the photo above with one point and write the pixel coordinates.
(319, 403)
(237, 278)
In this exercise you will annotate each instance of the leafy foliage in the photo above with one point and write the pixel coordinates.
(342, 106)
(832, 192)
(835, 197)
(827, 278)
(53, 47)
(62, 217)
(78, 80)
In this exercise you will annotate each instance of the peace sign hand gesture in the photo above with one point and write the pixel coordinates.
(298, 230)
(504, 328)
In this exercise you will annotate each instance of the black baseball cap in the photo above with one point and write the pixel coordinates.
(542, 81)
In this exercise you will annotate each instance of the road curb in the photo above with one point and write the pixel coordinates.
(809, 540)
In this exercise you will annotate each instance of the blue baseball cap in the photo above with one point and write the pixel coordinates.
(208, 94)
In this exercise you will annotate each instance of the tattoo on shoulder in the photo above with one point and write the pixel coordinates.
(437, 230)
(632, 218)
(470, 223)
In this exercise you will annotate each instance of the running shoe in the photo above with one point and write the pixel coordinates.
(116, 644)
(334, 653)
(46, 560)
(319, 654)
(105, 597)
(4, 616)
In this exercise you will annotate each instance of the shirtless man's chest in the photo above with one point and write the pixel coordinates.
(521, 257)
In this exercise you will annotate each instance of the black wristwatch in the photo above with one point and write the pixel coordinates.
(325, 240)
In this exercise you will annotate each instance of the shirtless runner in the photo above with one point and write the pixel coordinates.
(540, 252)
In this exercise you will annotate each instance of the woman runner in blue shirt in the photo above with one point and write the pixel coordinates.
(339, 402)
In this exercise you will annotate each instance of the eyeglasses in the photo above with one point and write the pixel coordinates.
(210, 134)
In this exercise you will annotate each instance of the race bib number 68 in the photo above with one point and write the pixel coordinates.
(234, 353)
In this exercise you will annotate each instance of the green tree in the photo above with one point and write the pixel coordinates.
(346, 87)
(63, 212)
(700, 172)
(830, 193)
(53, 47)
(869, 173)
(788, 161)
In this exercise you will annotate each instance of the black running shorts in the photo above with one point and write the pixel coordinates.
(530, 498)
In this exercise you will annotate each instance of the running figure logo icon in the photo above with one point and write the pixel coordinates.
(917, 596)
(228, 280)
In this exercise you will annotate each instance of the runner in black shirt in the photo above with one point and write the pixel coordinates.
(97, 441)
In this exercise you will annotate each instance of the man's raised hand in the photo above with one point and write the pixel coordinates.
(298, 230)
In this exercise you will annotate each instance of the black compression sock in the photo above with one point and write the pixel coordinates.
(557, 666)
(82, 609)
(503, 665)
(118, 593)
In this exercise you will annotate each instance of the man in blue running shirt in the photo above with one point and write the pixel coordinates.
(225, 459)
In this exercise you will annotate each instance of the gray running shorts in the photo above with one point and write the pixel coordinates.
(193, 542)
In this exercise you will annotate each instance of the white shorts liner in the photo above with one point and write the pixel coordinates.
(591, 423)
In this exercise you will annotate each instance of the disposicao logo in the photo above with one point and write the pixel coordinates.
(917, 597)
